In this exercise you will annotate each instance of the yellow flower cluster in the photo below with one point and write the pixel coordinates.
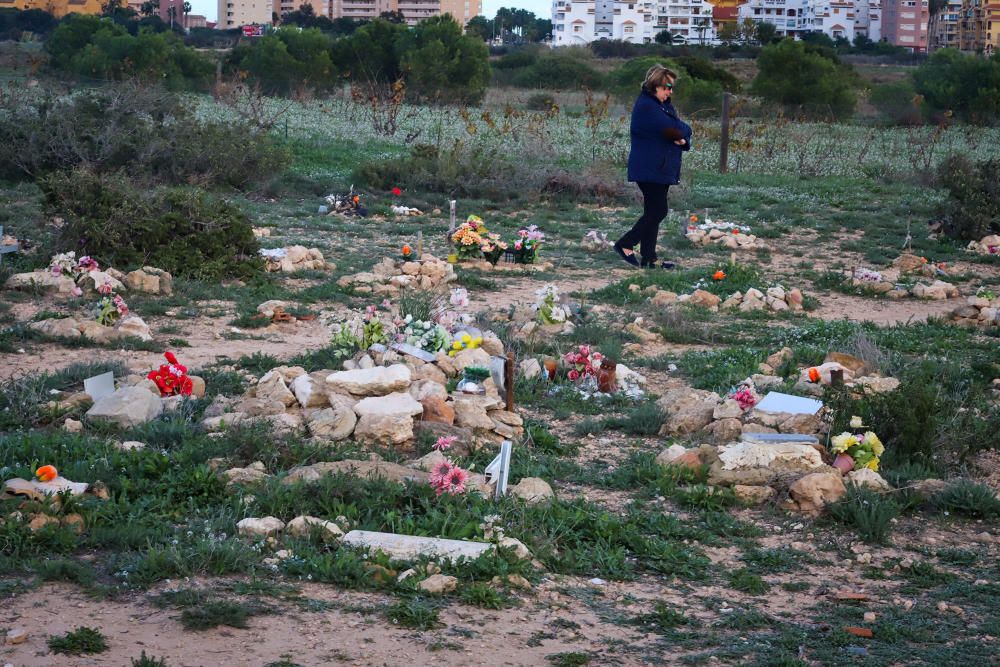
(464, 342)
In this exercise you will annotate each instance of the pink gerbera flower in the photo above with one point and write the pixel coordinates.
(439, 472)
(454, 482)
(444, 442)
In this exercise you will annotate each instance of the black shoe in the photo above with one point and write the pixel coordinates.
(660, 265)
(628, 258)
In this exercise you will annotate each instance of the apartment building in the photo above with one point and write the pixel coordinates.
(689, 21)
(413, 11)
(979, 26)
(576, 22)
(237, 13)
(942, 27)
(904, 23)
(58, 8)
(790, 18)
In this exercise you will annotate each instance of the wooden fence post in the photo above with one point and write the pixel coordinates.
(724, 138)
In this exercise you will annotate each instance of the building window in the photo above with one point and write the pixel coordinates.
(578, 28)
(629, 30)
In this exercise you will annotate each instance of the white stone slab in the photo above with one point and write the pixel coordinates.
(775, 401)
(99, 386)
(413, 351)
(411, 547)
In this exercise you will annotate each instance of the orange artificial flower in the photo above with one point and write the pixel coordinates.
(814, 374)
(736, 231)
(719, 275)
(46, 473)
(356, 199)
(407, 250)
(693, 218)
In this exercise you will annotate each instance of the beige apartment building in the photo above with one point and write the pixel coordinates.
(237, 13)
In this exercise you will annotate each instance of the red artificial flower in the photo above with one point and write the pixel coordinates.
(397, 191)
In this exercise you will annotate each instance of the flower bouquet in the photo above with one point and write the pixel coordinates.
(526, 245)
(468, 238)
(857, 451)
(110, 308)
(745, 396)
(547, 306)
(493, 248)
(464, 341)
(446, 477)
(583, 362)
(423, 334)
(171, 378)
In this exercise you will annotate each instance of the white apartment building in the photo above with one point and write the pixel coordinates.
(690, 21)
(576, 22)
(236, 13)
(836, 18)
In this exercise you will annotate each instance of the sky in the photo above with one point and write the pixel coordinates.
(540, 8)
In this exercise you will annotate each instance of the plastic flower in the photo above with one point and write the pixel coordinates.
(396, 191)
(407, 250)
(814, 374)
(876, 445)
(693, 218)
(573, 375)
(445, 442)
(105, 289)
(87, 263)
(77, 291)
(453, 483)
(46, 473)
(843, 442)
(719, 275)
(439, 472)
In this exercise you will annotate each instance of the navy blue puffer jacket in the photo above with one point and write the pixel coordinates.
(654, 157)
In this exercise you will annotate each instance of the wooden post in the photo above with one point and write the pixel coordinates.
(420, 244)
(724, 138)
(508, 380)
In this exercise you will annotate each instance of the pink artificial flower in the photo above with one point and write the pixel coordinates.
(57, 270)
(573, 375)
(87, 263)
(77, 291)
(439, 472)
(454, 482)
(517, 245)
(386, 304)
(584, 350)
(105, 289)
(445, 442)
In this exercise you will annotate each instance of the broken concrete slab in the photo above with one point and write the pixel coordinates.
(411, 547)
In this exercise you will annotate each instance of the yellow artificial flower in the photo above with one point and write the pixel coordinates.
(466, 338)
(457, 345)
(843, 442)
(876, 444)
(477, 341)
(872, 465)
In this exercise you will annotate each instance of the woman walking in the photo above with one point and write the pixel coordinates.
(654, 163)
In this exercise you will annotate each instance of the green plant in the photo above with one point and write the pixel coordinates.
(413, 613)
(661, 619)
(868, 513)
(746, 581)
(148, 661)
(215, 613)
(972, 209)
(968, 498)
(482, 595)
(79, 641)
(803, 79)
(569, 659)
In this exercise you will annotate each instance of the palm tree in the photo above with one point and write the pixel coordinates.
(187, 10)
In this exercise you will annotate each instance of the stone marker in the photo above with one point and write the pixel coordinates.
(129, 406)
(410, 547)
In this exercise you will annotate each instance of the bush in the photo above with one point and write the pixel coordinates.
(563, 69)
(968, 498)
(866, 512)
(287, 60)
(180, 230)
(91, 46)
(794, 76)
(442, 64)
(624, 81)
(967, 85)
(897, 103)
(972, 209)
(133, 127)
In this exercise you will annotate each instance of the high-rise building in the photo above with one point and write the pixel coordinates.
(942, 26)
(979, 26)
(237, 13)
(904, 23)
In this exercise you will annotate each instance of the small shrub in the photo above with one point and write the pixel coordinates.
(540, 102)
(213, 614)
(415, 614)
(972, 209)
(746, 581)
(867, 513)
(482, 595)
(180, 230)
(79, 641)
(662, 619)
(704, 497)
(968, 498)
(148, 661)
(569, 659)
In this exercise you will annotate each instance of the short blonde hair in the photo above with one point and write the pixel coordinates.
(658, 75)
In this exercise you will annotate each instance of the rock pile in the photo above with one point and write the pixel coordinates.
(776, 299)
(150, 280)
(727, 239)
(887, 281)
(295, 258)
(131, 326)
(988, 245)
(385, 405)
(978, 311)
(389, 276)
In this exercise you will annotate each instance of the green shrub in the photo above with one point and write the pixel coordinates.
(897, 103)
(442, 64)
(968, 498)
(803, 80)
(967, 85)
(79, 641)
(972, 209)
(180, 230)
(560, 69)
(867, 513)
(284, 61)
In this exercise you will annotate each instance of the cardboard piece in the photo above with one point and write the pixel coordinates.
(775, 401)
(99, 386)
(499, 469)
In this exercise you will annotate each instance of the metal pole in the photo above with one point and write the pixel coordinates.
(724, 138)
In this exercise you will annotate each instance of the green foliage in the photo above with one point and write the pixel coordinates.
(287, 60)
(369, 54)
(215, 613)
(897, 102)
(868, 513)
(148, 661)
(88, 46)
(79, 641)
(966, 84)
(22, 399)
(625, 81)
(968, 498)
(747, 582)
(482, 595)
(414, 613)
(569, 659)
(442, 64)
(662, 619)
(559, 69)
(792, 76)
(972, 209)
(129, 127)
(181, 230)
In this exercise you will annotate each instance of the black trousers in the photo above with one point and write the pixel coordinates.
(647, 228)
